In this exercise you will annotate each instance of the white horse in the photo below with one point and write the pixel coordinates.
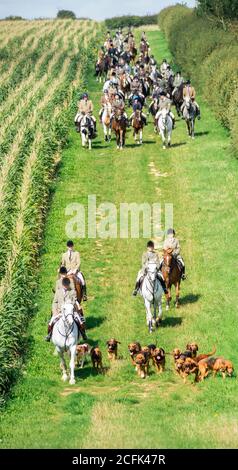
(86, 131)
(189, 114)
(152, 291)
(165, 126)
(107, 110)
(65, 338)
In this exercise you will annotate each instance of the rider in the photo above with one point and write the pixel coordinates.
(173, 243)
(165, 102)
(118, 105)
(85, 107)
(178, 80)
(137, 106)
(71, 261)
(136, 85)
(163, 66)
(105, 101)
(149, 256)
(189, 92)
(64, 295)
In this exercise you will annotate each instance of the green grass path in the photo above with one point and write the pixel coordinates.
(117, 409)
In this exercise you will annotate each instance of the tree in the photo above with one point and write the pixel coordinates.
(66, 14)
(219, 8)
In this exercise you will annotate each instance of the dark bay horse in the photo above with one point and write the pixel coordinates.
(102, 67)
(178, 99)
(119, 125)
(138, 124)
(78, 287)
(172, 276)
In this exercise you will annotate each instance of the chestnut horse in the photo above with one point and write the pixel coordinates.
(137, 124)
(119, 127)
(172, 276)
(78, 287)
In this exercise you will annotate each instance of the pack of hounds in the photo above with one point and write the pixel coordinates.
(186, 363)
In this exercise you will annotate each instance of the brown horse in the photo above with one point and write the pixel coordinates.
(119, 127)
(78, 287)
(138, 124)
(172, 276)
(125, 85)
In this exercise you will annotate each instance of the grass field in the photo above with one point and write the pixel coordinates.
(118, 410)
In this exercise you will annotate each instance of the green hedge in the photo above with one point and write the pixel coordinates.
(208, 55)
(130, 20)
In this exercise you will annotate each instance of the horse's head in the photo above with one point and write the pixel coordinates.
(152, 270)
(187, 102)
(164, 115)
(168, 258)
(68, 314)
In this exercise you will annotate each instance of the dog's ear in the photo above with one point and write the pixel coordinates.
(163, 351)
(107, 343)
(119, 342)
(196, 346)
(188, 347)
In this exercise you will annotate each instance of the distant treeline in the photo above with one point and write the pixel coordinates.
(130, 20)
(219, 8)
(208, 54)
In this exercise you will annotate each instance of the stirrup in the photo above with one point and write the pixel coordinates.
(48, 337)
(135, 292)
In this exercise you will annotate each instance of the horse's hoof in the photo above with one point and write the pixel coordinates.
(64, 378)
(167, 307)
(176, 305)
(164, 148)
(118, 147)
(72, 382)
(121, 148)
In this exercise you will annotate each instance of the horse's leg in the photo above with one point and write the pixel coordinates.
(163, 139)
(141, 136)
(121, 139)
(148, 315)
(192, 125)
(83, 139)
(90, 144)
(159, 320)
(72, 364)
(109, 133)
(177, 288)
(168, 297)
(63, 365)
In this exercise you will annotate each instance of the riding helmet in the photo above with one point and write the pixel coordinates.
(170, 231)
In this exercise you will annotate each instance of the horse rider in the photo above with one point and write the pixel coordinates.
(85, 107)
(173, 243)
(136, 85)
(163, 66)
(137, 106)
(152, 60)
(105, 101)
(178, 80)
(189, 92)
(101, 54)
(165, 103)
(63, 295)
(149, 256)
(71, 261)
(118, 105)
(168, 73)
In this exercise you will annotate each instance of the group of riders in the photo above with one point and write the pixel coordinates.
(71, 288)
(134, 76)
(125, 77)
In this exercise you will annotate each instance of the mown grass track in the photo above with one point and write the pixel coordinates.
(117, 409)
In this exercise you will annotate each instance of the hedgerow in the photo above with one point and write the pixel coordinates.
(208, 54)
(130, 20)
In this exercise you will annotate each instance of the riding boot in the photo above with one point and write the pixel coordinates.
(84, 288)
(137, 287)
(81, 328)
(183, 273)
(198, 114)
(50, 329)
(162, 282)
(173, 119)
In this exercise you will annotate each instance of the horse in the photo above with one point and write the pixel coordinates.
(107, 110)
(172, 276)
(152, 291)
(165, 126)
(65, 338)
(86, 131)
(153, 109)
(137, 124)
(177, 97)
(101, 68)
(119, 127)
(189, 114)
(125, 84)
(78, 287)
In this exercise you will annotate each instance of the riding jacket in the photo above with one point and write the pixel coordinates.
(189, 92)
(71, 260)
(63, 296)
(173, 243)
(150, 257)
(85, 107)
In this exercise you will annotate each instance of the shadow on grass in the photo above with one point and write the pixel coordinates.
(89, 371)
(93, 322)
(190, 299)
(179, 144)
(139, 146)
(201, 133)
(171, 321)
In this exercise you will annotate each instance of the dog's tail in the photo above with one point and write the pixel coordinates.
(212, 353)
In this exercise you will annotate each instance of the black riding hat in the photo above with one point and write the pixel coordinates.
(170, 231)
